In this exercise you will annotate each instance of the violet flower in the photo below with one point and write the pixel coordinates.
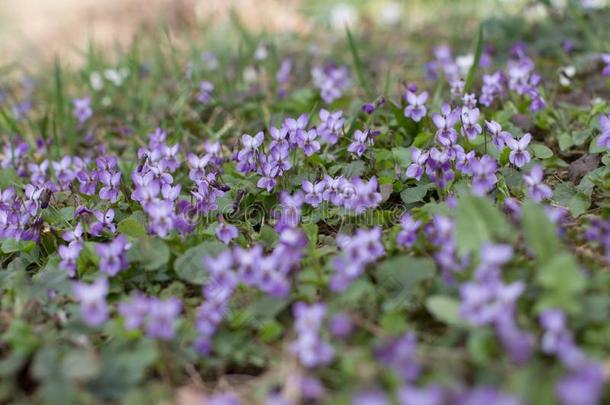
(470, 125)
(360, 143)
(498, 137)
(112, 255)
(419, 159)
(134, 311)
(444, 122)
(604, 123)
(408, 232)
(161, 320)
(536, 189)
(69, 255)
(110, 182)
(204, 96)
(92, 298)
(416, 110)
(483, 174)
(519, 156)
(331, 125)
(226, 232)
(314, 192)
(82, 109)
(307, 141)
(105, 221)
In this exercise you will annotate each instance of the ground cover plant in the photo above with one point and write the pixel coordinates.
(318, 219)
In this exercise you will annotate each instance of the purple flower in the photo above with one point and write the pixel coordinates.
(92, 297)
(160, 217)
(357, 251)
(419, 159)
(331, 125)
(331, 81)
(444, 122)
(74, 236)
(162, 315)
(314, 192)
(604, 122)
(112, 255)
(69, 255)
(135, 311)
(105, 221)
(581, 387)
(536, 189)
(519, 156)
(110, 182)
(226, 232)
(370, 397)
(469, 100)
(408, 232)
(82, 109)
(401, 355)
(438, 168)
(492, 87)
(483, 174)
(307, 141)
(204, 96)
(416, 110)
(361, 142)
(498, 137)
(295, 127)
(309, 346)
(88, 182)
(340, 326)
(470, 125)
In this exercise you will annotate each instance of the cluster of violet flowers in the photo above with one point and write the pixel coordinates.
(331, 80)
(156, 316)
(356, 252)
(585, 379)
(250, 267)
(310, 348)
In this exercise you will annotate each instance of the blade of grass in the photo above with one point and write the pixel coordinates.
(475, 63)
(364, 82)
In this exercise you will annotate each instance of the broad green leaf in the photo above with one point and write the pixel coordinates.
(477, 220)
(190, 265)
(415, 194)
(149, 252)
(541, 151)
(445, 309)
(540, 233)
(133, 226)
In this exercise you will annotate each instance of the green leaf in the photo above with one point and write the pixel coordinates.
(133, 226)
(445, 309)
(362, 78)
(80, 365)
(541, 151)
(563, 282)
(540, 233)
(415, 194)
(13, 246)
(151, 253)
(190, 266)
(475, 64)
(477, 220)
(399, 276)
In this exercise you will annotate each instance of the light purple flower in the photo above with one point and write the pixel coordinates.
(161, 320)
(314, 192)
(82, 109)
(498, 137)
(408, 232)
(105, 221)
(92, 298)
(419, 159)
(444, 122)
(110, 182)
(331, 125)
(360, 143)
(112, 255)
(470, 125)
(135, 311)
(536, 189)
(483, 174)
(226, 232)
(69, 255)
(204, 96)
(307, 141)
(416, 110)
(519, 156)
(604, 123)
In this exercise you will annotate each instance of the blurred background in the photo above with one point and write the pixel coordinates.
(33, 30)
